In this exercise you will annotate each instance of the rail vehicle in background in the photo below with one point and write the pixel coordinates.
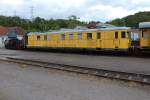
(108, 38)
(14, 43)
(115, 38)
(144, 29)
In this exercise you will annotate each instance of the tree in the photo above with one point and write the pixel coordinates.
(40, 24)
(132, 20)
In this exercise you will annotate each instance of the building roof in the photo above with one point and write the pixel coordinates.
(3, 30)
(103, 25)
(99, 25)
(6, 30)
(18, 30)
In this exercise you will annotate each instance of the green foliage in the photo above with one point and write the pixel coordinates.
(117, 22)
(132, 20)
(40, 24)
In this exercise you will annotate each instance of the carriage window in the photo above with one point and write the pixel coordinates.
(38, 37)
(45, 37)
(98, 35)
(49, 37)
(116, 35)
(144, 34)
(71, 36)
(123, 34)
(89, 36)
(80, 36)
(63, 36)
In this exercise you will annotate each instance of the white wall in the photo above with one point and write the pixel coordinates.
(2, 40)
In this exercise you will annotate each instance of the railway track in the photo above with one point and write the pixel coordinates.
(141, 78)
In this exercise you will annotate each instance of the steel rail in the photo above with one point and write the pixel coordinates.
(141, 78)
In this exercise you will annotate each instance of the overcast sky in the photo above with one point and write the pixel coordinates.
(98, 10)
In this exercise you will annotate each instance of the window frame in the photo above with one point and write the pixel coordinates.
(123, 34)
(89, 36)
(45, 37)
(63, 36)
(38, 37)
(145, 34)
(71, 36)
(80, 36)
(116, 35)
(49, 37)
(98, 36)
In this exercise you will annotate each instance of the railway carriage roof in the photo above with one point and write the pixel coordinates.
(144, 25)
(79, 30)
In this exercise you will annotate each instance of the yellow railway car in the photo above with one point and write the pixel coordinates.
(108, 38)
(144, 29)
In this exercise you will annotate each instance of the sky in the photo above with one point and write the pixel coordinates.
(86, 10)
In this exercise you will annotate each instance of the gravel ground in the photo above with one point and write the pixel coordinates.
(115, 63)
(22, 82)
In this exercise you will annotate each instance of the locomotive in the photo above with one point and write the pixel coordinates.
(13, 42)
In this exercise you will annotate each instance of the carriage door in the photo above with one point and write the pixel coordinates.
(116, 40)
(145, 38)
(98, 38)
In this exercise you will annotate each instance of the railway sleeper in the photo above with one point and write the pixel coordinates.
(83, 70)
